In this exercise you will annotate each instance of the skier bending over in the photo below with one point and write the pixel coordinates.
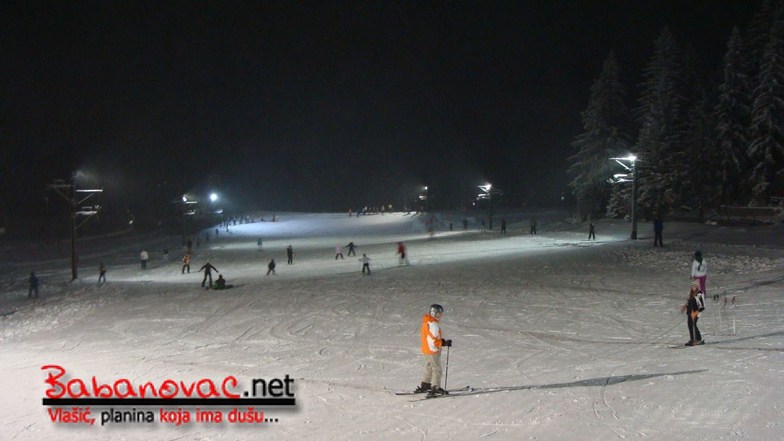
(365, 264)
(431, 349)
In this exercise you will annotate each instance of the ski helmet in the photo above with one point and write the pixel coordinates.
(436, 309)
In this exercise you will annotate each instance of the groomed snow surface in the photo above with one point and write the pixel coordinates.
(562, 338)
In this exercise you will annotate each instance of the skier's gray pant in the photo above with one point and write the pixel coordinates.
(432, 369)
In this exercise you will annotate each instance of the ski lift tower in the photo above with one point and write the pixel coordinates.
(629, 163)
(75, 198)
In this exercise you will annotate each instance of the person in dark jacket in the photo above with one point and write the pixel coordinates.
(290, 254)
(101, 273)
(658, 228)
(592, 231)
(33, 286)
(693, 307)
(271, 267)
(221, 283)
(351, 251)
(207, 268)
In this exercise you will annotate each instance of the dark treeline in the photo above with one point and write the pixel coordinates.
(702, 138)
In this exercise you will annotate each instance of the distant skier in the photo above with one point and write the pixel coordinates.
(351, 251)
(338, 252)
(592, 231)
(503, 226)
(699, 272)
(533, 226)
(144, 256)
(365, 264)
(290, 254)
(33, 289)
(258, 242)
(465, 224)
(431, 344)
(658, 229)
(186, 263)
(271, 267)
(207, 268)
(101, 273)
(401, 250)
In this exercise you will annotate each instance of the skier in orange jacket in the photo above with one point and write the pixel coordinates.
(432, 342)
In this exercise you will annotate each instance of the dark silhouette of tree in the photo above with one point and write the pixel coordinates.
(732, 116)
(766, 149)
(661, 114)
(606, 134)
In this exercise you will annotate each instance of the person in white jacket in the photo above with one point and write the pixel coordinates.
(144, 256)
(699, 271)
(365, 264)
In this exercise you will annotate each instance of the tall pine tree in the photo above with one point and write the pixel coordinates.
(661, 116)
(695, 156)
(732, 116)
(606, 129)
(766, 150)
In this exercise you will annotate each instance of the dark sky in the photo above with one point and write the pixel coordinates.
(319, 105)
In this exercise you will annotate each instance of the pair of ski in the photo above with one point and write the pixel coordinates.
(450, 393)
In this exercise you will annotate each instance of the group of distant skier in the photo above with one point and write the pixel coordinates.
(220, 282)
(431, 334)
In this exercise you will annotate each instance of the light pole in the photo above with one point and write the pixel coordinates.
(186, 212)
(424, 196)
(487, 193)
(634, 198)
(630, 164)
(69, 192)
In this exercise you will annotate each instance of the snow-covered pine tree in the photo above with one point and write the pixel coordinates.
(606, 134)
(697, 160)
(758, 33)
(732, 116)
(766, 149)
(661, 115)
(619, 205)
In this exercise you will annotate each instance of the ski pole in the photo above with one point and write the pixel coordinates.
(446, 373)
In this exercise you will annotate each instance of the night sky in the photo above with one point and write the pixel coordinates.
(318, 105)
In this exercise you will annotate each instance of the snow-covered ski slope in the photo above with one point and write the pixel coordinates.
(561, 338)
